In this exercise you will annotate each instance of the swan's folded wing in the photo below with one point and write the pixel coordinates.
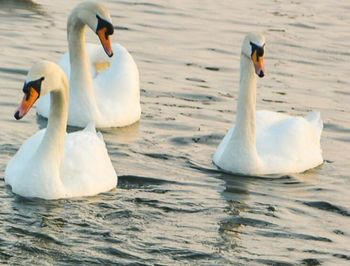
(288, 143)
(117, 88)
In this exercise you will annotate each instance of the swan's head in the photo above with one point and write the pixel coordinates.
(254, 47)
(97, 17)
(42, 78)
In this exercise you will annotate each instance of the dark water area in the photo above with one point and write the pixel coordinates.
(172, 206)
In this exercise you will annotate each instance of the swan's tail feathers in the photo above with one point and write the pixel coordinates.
(314, 118)
(99, 134)
(90, 127)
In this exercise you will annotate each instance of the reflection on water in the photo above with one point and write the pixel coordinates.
(172, 206)
(236, 193)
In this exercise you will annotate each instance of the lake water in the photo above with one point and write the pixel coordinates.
(171, 206)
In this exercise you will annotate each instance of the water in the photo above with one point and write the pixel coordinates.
(171, 206)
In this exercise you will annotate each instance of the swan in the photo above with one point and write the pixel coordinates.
(266, 142)
(103, 89)
(52, 164)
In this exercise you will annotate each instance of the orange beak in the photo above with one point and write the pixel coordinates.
(28, 100)
(105, 41)
(259, 64)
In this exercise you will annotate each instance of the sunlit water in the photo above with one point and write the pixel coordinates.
(171, 205)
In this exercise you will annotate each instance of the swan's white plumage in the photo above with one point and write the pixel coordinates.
(266, 142)
(52, 164)
(285, 144)
(85, 169)
(117, 89)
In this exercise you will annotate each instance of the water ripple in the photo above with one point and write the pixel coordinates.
(172, 205)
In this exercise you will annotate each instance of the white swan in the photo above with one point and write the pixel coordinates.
(265, 142)
(103, 89)
(52, 164)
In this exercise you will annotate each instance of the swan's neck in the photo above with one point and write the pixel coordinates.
(51, 148)
(81, 82)
(245, 122)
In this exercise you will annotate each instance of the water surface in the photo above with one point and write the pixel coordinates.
(171, 206)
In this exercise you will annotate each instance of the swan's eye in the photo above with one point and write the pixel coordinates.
(35, 84)
(103, 24)
(258, 49)
(260, 52)
(25, 88)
